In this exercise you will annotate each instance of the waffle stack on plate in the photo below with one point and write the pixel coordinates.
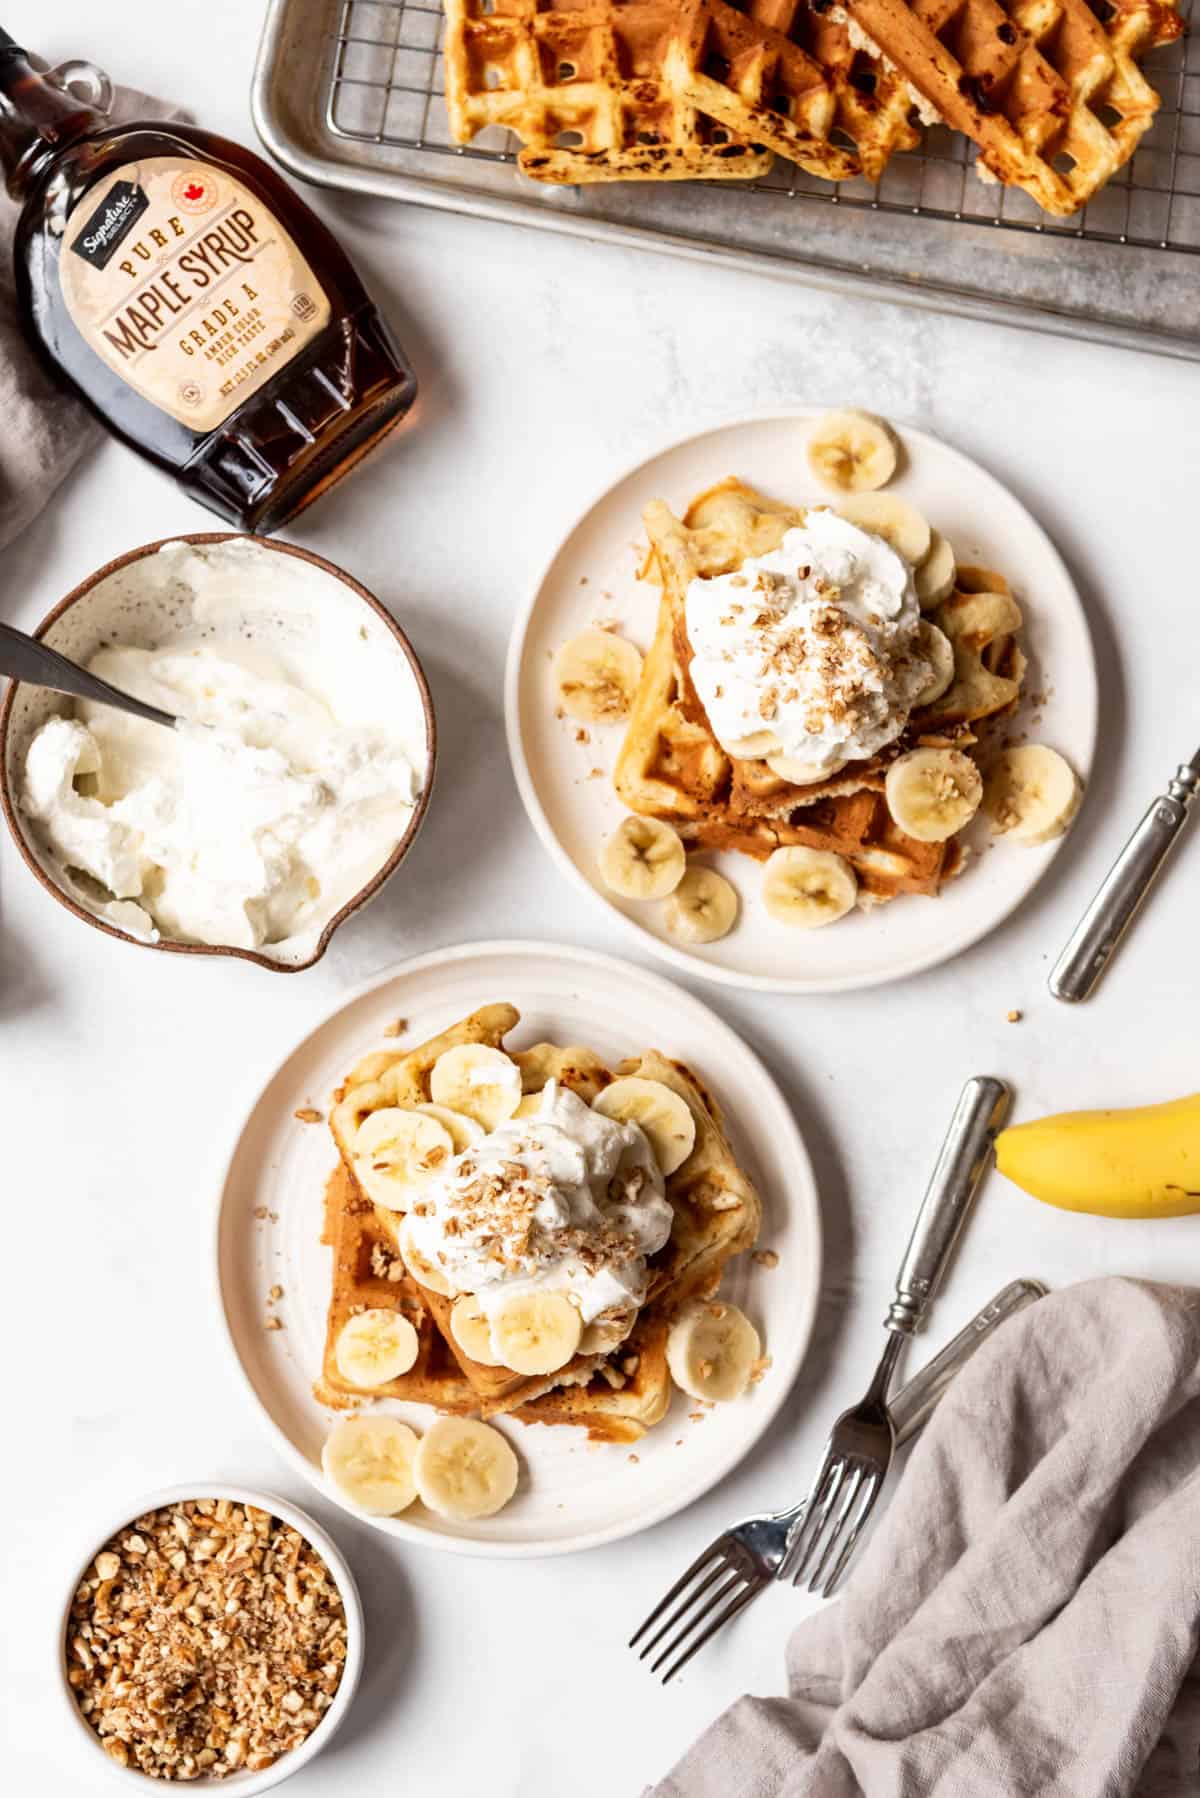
(616, 1394)
(671, 765)
(671, 90)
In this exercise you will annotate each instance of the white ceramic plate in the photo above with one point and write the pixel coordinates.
(566, 784)
(571, 1495)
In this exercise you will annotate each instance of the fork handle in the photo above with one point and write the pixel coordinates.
(964, 1155)
(916, 1402)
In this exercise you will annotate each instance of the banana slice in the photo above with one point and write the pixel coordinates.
(748, 749)
(662, 1114)
(464, 1469)
(852, 451)
(370, 1461)
(464, 1132)
(395, 1151)
(529, 1107)
(702, 908)
(801, 774)
(600, 1338)
(932, 793)
(478, 1080)
(711, 1349)
(422, 1269)
(1032, 794)
(935, 577)
(937, 648)
(643, 859)
(472, 1332)
(536, 1332)
(374, 1347)
(808, 888)
(894, 520)
(597, 675)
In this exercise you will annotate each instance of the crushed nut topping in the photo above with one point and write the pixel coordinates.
(205, 1638)
(765, 1258)
(308, 1114)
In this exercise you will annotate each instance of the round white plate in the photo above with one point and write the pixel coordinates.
(566, 783)
(572, 1494)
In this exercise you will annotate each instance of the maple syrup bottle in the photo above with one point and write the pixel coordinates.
(194, 302)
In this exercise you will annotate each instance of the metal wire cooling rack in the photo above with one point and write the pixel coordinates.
(385, 88)
(349, 93)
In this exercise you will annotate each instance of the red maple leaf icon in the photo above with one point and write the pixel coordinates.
(193, 191)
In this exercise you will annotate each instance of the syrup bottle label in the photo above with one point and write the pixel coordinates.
(187, 286)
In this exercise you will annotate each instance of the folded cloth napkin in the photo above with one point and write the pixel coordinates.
(45, 428)
(1026, 1616)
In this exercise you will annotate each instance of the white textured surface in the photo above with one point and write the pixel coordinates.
(546, 367)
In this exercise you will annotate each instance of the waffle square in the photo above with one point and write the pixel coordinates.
(617, 1395)
(1050, 90)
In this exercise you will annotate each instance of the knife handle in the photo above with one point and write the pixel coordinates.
(963, 1156)
(1130, 878)
(915, 1403)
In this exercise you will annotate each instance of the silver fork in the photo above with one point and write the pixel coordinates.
(863, 1441)
(745, 1559)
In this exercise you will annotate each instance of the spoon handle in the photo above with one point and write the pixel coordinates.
(25, 658)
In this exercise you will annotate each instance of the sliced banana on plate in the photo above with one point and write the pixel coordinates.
(893, 519)
(703, 908)
(374, 1347)
(472, 1332)
(536, 1332)
(933, 793)
(802, 774)
(643, 859)
(464, 1469)
(1032, 794)
(597, 675)
(663, 1115)
(748, 749)
(422, 1269)
(463, 1131)
(395, 1151)
(852, 451)
(478, 1080)
(935, 577)
(937, 648)
(529, 1107)
(711, 1349)
(370, 1461)
(808, 888)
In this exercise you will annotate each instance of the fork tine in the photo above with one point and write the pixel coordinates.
(852, 1487)
(839, 1566)
(701, 1561)
(731, 1585)
(815, 1518)
(689, 1600)
(726, 1616)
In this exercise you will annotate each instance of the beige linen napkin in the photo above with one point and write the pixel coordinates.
(44, 428)
(1025, 1618)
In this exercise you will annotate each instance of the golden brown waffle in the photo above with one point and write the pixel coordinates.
(766, 61)
(1050, 90)
(671, 766)
(619, 1393)
(587, 89)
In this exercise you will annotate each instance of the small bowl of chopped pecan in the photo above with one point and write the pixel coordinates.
(215, 1637)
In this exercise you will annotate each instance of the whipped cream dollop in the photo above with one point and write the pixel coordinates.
(565, 1200)
(811, 651)
(255, 820)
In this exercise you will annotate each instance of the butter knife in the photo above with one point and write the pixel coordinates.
(1112, 911)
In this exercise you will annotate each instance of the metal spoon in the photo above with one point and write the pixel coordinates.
(26, 658)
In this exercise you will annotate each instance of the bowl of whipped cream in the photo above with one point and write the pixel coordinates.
(288, 793)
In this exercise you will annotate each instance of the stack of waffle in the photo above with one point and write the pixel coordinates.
(671, 765)
(616, 1395)
(670, 90)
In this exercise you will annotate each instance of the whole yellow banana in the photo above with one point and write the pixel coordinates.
(1144, 1162)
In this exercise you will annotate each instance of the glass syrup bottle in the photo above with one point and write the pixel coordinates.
(193, 301)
